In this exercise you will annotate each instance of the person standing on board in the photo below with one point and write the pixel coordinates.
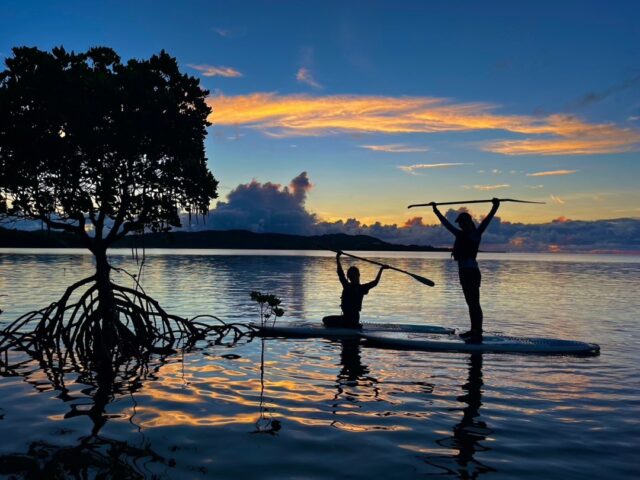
(465, 251)
(352, 294)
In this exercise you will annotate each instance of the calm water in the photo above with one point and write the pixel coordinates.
(329, 409)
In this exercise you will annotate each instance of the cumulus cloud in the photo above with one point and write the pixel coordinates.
(295, 115)
(213, 71)
(270, 207)
(395, 148)
(552, 173)
(561, 234)
(305, 76)
(265, 207)
(413, 169)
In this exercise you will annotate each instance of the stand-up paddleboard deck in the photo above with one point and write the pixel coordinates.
(489, 344)
(427, 338)
(316, 329)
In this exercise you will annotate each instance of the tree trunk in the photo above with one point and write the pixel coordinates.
(105, 325)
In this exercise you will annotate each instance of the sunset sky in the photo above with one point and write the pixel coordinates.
(384, 104)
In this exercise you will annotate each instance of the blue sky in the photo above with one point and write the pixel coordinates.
(484, 83)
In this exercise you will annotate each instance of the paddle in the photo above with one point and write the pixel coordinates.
(431, 204)
(422, 280)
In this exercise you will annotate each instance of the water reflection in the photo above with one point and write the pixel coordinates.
(336, 403)
(353, 376)
(265, 422)
(469, 432)
(94, 455)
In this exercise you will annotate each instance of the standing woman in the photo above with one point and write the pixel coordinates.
(465, 251)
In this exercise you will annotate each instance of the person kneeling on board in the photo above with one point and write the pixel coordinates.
(465, 251)
(352, 294)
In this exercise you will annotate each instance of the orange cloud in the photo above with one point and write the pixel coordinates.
(551, 173)
(395, 148)
(291, 115)
(211, 71)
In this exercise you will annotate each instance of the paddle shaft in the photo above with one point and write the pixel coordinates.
(431, 204)
(421, 279)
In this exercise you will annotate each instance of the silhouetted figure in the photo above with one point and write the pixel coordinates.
(352, 294)
(465, 251)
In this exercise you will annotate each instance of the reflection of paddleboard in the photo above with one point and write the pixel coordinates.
(490, 343)
(315, 329)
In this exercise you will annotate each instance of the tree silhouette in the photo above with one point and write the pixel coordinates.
(100, 148)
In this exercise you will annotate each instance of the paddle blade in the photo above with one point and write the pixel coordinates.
(422, 280)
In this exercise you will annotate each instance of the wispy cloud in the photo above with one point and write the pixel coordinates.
(304, 75)
(395, 148)
(535, 187)
(412, 169)
(213, 71)
(296, 115)
(491, 187)
(595, 97)
(557, 200)
(589, 143)
(226, 32)
(551, 173)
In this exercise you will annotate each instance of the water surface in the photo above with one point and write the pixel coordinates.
(327, 409)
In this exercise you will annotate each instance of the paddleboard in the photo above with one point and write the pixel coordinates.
(317, 329)
(490, 343)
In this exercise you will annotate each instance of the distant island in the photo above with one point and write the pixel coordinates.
(215, 239)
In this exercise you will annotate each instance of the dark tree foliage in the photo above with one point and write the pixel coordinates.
(101, 148)
(88, 142)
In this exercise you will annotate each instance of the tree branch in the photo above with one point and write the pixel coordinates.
(127, 228)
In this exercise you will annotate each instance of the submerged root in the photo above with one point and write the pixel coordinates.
(74, 329)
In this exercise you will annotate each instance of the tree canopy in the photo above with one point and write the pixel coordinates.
(88, 142)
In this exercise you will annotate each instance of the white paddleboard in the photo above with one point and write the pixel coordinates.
(490, 343)
(317, 329)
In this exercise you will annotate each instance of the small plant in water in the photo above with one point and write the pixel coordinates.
(269, 306)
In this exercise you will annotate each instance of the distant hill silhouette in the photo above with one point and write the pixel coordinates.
(226, 239)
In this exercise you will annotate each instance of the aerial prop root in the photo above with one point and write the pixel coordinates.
(75, 326)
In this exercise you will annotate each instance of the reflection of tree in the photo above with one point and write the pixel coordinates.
(95, 456)
(469, 432)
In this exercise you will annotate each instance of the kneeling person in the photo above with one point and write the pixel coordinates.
(352, 294)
